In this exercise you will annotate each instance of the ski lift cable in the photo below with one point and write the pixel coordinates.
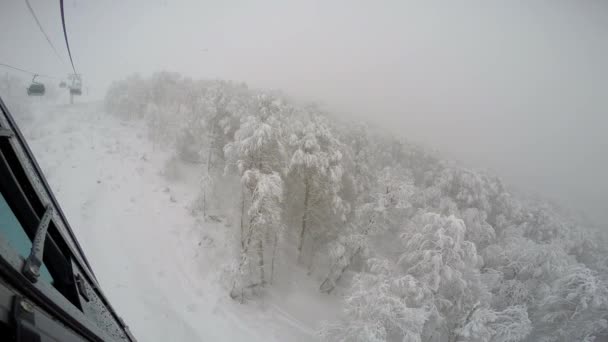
(29, 72)
(27, 2)
(65, 34)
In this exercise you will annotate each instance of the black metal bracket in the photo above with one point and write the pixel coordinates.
(25, 321)
(31, 269)
(82, 289)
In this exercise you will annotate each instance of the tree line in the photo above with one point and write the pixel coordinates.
(421, 249)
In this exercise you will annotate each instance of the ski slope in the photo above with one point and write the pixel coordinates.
(159, 265)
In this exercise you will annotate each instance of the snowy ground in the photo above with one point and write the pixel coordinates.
(159, 265)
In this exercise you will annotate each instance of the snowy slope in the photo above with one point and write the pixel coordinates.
(159, 265)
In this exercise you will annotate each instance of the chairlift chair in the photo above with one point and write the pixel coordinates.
(36, 88)
(62, 84)
(76, 86)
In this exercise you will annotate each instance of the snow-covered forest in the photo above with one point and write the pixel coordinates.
(415, 247)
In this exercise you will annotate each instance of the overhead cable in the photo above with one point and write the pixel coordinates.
(27, 2)
(28, 72)
(65, 34)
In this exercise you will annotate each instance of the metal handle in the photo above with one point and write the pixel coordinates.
(31, 269)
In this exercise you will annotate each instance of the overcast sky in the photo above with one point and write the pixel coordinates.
(519, 88)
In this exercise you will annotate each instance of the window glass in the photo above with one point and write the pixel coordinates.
(12, 231)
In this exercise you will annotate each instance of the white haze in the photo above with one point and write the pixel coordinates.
(517, 88)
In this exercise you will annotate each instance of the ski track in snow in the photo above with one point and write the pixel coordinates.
(144, 246)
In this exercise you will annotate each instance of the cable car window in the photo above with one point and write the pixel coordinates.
(12, 231)
(25, 213)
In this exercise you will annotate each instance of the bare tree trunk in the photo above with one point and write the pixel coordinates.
(261, 261)
(233, 291)
(209, 156)
(304, 220)
(453, 337)
(204, 204)
(329, 284)
(242, 217)
(350, 261)
(274, 254)
(311, 259)
(244, 250)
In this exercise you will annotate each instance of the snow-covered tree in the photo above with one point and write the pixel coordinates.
(257, 154)
(381, 307)
(479, 231)
(315, 176)
(576, 308)
(388, 207)
(359, 154)
(192, 137)
(263, 226)
(485, 325)
(222, 124)
(128, 98)
(258, 143)
(438, 256)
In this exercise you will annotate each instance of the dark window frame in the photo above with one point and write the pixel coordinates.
(14, 188)
(28, 195)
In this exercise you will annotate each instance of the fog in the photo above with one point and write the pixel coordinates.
(519, 89)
